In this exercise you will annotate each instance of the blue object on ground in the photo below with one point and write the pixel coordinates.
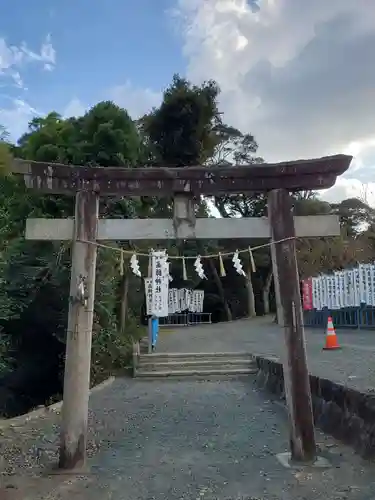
(154, 331)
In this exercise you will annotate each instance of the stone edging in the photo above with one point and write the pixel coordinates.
(345, 413)
(12, 422)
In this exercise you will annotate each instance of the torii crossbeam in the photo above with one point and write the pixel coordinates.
(298, 175)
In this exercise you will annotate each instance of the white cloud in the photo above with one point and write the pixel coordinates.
(137, 101)
(16, 117)
(17, 79)
(74, 108)
(298, 74)
(350, 188)
(46, 54)
(13, 59)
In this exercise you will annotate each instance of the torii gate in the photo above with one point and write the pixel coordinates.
(185, 184)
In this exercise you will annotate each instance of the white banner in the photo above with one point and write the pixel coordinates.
(368, 287)
(372, 271)
(346, 280)
(356, 288)
(343, 289)
(362, 283)
(336, 301)
(346, 288)
(199, 294)
(315, 293)
(160, 284)
(321, 292)
(182, 299)
(148, 294)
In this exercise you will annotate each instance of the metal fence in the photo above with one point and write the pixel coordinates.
(186, 319)
(350, 317)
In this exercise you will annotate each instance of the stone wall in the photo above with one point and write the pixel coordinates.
(345, 413)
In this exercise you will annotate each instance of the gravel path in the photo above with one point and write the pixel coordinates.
(353, 365)
(203, 440)
(28, 450)
(194, 439)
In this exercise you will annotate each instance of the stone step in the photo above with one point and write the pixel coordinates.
(146, 359)
(196, 365)
(208, 373)
(200, 365)
(183, 361)
(180, 357)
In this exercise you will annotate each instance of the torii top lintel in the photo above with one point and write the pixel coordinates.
(320, 173)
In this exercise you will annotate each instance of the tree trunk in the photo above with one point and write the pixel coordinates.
(250, 295)
(266, 292)
(124, 289)
(220, 289)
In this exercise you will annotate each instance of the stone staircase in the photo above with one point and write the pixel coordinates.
(200, 365)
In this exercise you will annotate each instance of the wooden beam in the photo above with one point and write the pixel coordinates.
(276, 284)
(296, 375)
(297, 175)
(78, 339)
(163, 229)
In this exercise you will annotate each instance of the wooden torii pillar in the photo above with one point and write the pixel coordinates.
(88, 183)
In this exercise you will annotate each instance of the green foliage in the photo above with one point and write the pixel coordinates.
(180, 131)
(5, 158)
(235, 148)
(311, 206)
(104, 136)
(5, 153)
(355, 244)
(232, 146)
(111, 352)
(5, 358)
(108, 136)
(355, 215)
(34, 276)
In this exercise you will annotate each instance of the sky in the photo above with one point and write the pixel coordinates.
(297, 74)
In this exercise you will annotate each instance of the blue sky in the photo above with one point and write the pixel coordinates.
(93, 50)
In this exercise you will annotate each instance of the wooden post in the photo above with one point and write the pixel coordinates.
(276, 280)
(251, 312)
(184, 215)
(79, 334)
(296, 376)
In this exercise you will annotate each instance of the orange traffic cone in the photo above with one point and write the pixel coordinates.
(331, 337)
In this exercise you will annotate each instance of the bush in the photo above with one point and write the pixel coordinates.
(5, 355)
(111, 351)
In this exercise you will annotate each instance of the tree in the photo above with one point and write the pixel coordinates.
(355, 215)
(311, 206)
(5, 152)
(3, 133)
(108, 136)
(104, 136)
(34, 276)
(184, 131)
(235, 148)
(180, 131)
(352, 246)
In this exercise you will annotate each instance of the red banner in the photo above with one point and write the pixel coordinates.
(307, 294)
